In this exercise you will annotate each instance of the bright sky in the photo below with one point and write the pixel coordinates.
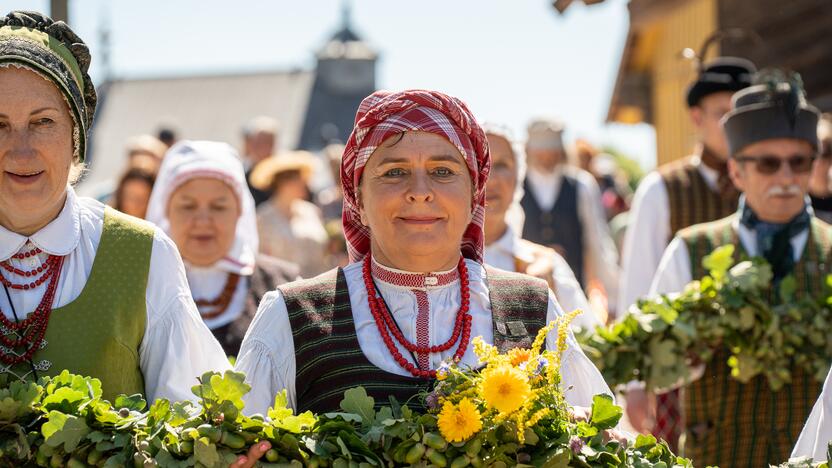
(509, 60)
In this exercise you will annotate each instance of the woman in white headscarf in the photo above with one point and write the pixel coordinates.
(202, 201)
(504, 221)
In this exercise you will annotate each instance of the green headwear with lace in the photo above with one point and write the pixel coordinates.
(51, 49)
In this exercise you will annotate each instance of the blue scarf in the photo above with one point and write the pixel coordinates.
(774, 239)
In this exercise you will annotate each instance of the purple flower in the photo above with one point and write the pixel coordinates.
(542, 362)
(576, 444)
(432, 401)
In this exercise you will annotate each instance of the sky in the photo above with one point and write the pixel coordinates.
(510, 61)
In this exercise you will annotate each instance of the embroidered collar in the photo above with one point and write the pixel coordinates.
(410, 280)
(59, 237)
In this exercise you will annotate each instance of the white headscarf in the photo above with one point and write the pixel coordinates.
(188, 160)
(515, 216)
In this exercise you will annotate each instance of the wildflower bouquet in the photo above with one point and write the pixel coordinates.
(509, 413)
(729, 312)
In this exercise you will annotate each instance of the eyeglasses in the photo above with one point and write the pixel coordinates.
(799, 164)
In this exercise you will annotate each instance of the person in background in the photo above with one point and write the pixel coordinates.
(330, 199)
(820, 188)
(563, 210)
(260, 136)
(133, 190)
(505, 249)
(603, 167)
(290, 227)
(692, 190)
(202, 201)
(145, 150)
(167, 135)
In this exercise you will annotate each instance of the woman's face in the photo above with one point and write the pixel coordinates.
(36, 150)
(203, 215)
(135, 193)
(499, 190)
(415, 195)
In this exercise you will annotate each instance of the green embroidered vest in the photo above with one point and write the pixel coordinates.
(733, 424)
(330, 360)
(99, 333)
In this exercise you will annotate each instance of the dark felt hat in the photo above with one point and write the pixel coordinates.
(777, 109)
(721, 74)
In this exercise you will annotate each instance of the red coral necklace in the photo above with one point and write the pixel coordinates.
(30, 332)
(386, 324)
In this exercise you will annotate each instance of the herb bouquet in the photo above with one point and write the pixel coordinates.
(509, 413)
(661, 341)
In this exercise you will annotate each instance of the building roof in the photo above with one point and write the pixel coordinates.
(213, 107)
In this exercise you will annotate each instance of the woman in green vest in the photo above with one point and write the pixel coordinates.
(416, 293)
(84, 287)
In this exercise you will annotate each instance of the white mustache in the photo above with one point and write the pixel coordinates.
(780, 190)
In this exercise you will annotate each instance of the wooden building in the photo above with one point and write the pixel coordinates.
(653, 75)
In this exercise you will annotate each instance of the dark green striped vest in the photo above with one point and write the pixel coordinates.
(329, 359)
(690, 198)
(99, 333)
(732, 424)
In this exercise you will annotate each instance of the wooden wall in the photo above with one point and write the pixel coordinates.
(796, 34)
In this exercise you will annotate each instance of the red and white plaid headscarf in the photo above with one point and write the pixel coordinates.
(384, 114)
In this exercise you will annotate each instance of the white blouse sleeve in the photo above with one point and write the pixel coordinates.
(599, 248)
(581, 380)
(267, 356)
(648, 230)
(177, 346)
(674, 272)
(570, 295)
(817, 432)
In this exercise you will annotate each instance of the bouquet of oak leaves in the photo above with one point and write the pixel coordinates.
(731, 312)
(510, 412)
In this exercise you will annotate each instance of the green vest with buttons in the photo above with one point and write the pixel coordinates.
(99, 333)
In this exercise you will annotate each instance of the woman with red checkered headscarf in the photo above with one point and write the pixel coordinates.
(416, 292)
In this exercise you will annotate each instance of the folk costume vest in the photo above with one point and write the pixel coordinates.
(691, 201)
(329, 358)
(99, 333)
(690, 198)
(733, 424)
(560, 228)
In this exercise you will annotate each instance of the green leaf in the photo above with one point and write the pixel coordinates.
(64, 429)
(605, 414)
(133, 402)
(788, 288)
(719, 261)
(231, 386)
(280, 409)
(357, 401)
(205, 452)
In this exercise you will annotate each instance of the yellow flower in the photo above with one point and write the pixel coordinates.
(459, 422)
(519, 356)
(505, 388)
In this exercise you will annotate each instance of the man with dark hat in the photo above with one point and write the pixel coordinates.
(772, 141)
(693, 190)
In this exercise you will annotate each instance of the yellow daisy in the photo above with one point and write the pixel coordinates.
(459, 422)
(505, 388)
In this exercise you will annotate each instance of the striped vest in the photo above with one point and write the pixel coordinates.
(690, 198)
(329, 359)
(733, 424)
